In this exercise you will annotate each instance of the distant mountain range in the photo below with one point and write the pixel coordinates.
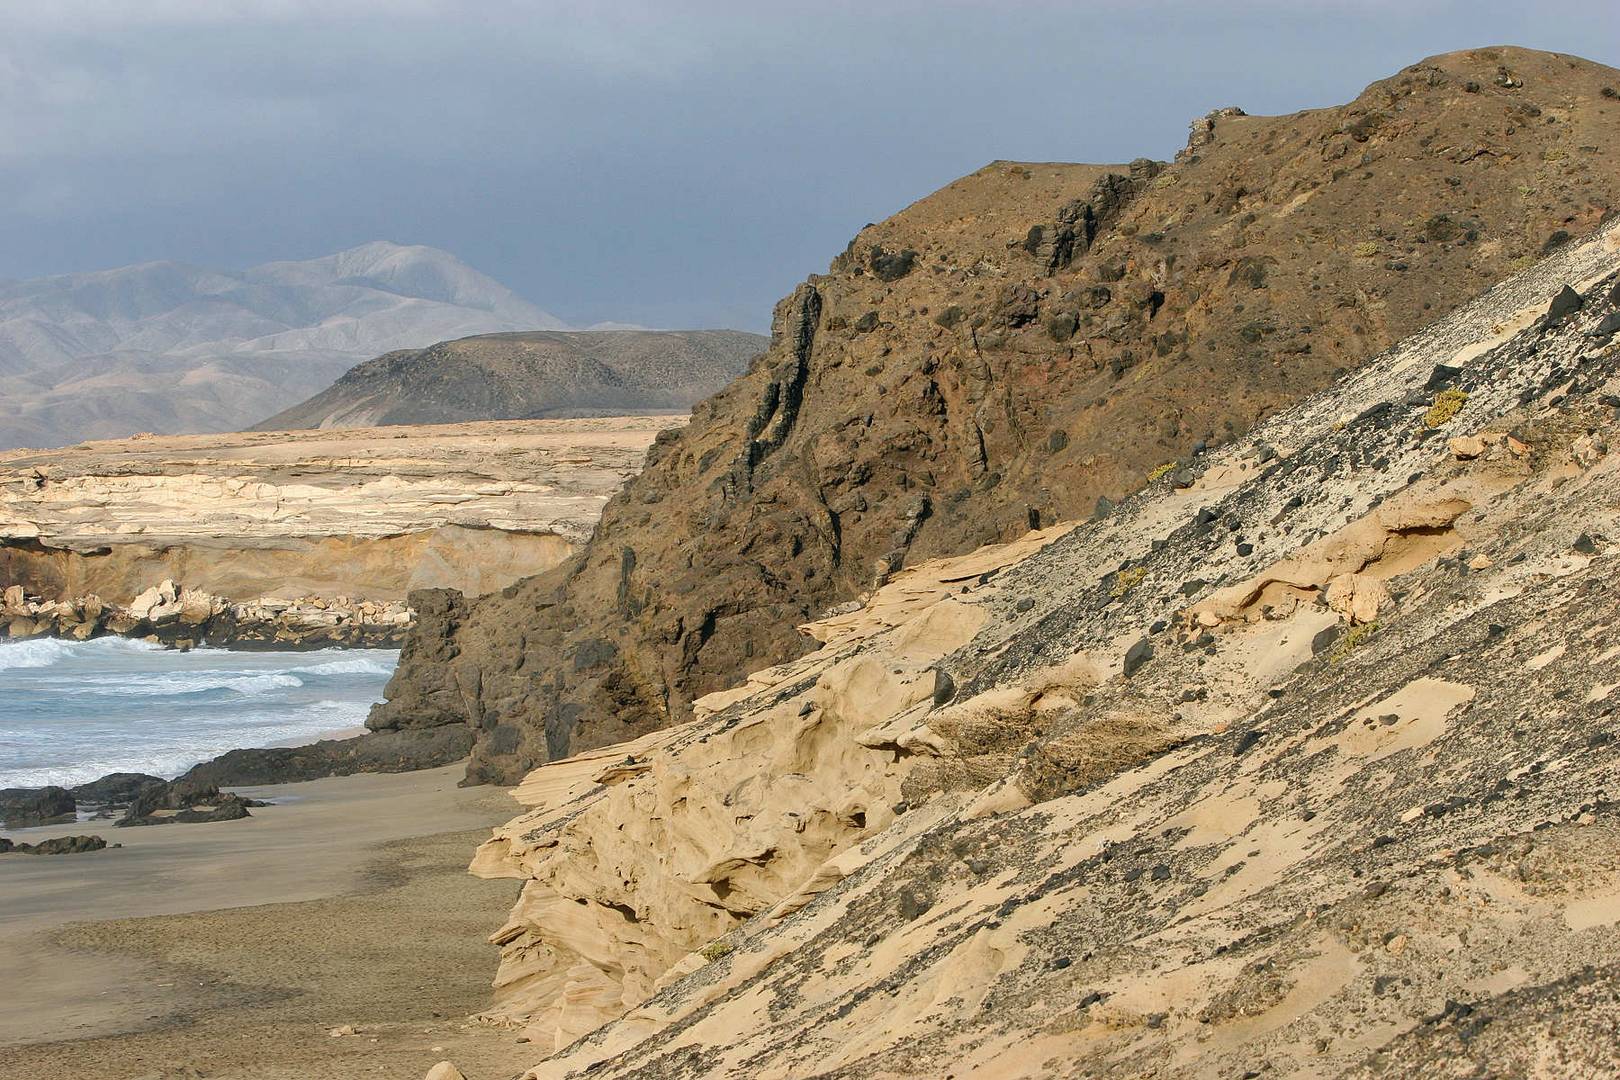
(529, 375)
(168, 347)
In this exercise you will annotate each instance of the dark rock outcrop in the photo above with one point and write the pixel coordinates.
(391, 751)
(115, 789)
(59, 845)
(431, 697)
(27, 808)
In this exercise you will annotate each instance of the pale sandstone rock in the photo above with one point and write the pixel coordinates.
(1588, 450)
(1357, 597)
(142, 605)
(445, 1070)
(369, 511)
(740, 846)
(1404, 532)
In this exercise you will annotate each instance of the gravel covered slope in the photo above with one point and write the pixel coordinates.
(1300, 764)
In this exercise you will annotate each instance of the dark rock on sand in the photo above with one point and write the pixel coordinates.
(115, 789)
(387, 751)
(27, 808)
(185, 802)
(60, 845)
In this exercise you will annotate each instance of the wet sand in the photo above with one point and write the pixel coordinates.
(232, 950)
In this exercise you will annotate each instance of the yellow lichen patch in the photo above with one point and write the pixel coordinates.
(1447, 404)
(714, 950)
(1126, 580)
(1161, 471)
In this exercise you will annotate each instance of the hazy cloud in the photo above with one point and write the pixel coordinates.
(656, 162)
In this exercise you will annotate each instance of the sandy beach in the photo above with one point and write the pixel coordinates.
(234, 949)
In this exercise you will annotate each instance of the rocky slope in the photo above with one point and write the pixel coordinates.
(287, 536)
(1301, 764)
(524, 376)
(1016, 347)
(169, 347)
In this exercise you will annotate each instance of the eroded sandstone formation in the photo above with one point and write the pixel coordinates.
(296, 537)
(1022, 347)
(1305, 764)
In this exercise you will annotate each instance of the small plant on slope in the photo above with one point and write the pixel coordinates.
(1447, 403)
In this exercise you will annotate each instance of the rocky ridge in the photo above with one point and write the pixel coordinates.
(169, 347)
(1024, 346)
(1303, 762)
(533, 375)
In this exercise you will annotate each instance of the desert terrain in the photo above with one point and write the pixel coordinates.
(1152, 619)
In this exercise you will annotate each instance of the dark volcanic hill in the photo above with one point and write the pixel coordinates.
(535, 375)
(1021, 344)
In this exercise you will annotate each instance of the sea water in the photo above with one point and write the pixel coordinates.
(71, 712)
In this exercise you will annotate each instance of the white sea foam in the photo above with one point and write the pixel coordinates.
(44, 652)
(346, 667)
(74, 711)
(166, 685)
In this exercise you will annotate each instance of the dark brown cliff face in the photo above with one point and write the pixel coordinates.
(1025, 341)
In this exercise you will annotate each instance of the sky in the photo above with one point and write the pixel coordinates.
(674, 164)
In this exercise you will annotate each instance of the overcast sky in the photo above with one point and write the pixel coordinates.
(668, 163)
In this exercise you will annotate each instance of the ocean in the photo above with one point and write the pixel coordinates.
(71, 712)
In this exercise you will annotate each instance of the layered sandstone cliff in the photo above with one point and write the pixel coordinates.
(1009, 351)
(282, 530)
(1301, 762)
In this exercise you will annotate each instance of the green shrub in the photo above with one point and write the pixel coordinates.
(1353, 640)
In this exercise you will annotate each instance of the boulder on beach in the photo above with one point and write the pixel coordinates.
(184, 802)
(59, 845)
(115, 789)
(27, 808)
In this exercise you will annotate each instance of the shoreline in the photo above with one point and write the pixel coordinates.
(177, 618)
(325, 728)
(232, 946)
